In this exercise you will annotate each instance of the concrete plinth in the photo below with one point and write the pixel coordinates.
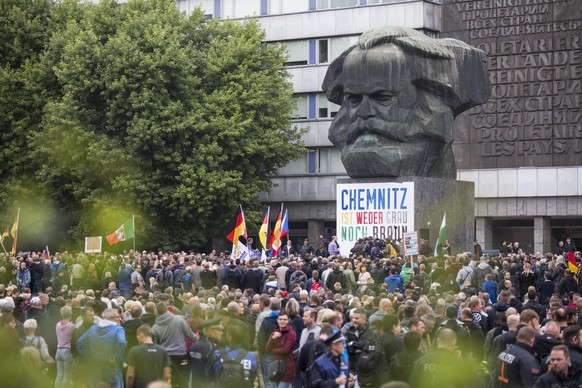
(432, 198)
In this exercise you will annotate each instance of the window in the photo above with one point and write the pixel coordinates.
(311, 158)
(339, 45)
(323, 51)
(330, 161)
(208, 7)
(288, 6)
(301, 111)
(295, 167)
(240, 9)
(384, 1)
(325, 4)
(183, 5)
(316, 161)
(326, 109)
(298, 52)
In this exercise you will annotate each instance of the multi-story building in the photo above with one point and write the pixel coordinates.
(535, 203)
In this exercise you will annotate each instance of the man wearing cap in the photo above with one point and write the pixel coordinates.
(205, 354)
(327, 371)
(170, 332)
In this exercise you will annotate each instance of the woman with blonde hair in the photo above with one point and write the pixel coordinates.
(64, 356)
(527, 278)
(295, 319)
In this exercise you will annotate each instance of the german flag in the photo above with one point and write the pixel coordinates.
(264, 231)
(275, 239)
(572, 265)
(237, 228)
(5, 234)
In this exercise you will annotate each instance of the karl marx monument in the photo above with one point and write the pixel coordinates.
(400, 92)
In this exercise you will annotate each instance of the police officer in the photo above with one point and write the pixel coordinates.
(516, 366)
(442, 367)
(205, 354)
(328, 370)
(237, 366)
(563, 373)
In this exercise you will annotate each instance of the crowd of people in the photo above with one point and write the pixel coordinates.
(307, 318)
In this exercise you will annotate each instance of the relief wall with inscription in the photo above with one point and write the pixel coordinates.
(534, 59)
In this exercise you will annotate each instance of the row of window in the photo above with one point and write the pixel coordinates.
(316, 51)
(241, 8)
(316, 161)
(312, 106)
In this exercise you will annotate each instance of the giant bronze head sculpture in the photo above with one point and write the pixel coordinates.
(399, 92)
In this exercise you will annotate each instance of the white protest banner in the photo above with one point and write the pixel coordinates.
(93, 244)
(410, 243)
(379, 210)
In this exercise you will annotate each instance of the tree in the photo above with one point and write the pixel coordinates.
(176, 119)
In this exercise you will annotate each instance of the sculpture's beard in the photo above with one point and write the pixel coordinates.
(411, 146)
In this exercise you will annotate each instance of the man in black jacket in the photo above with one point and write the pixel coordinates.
(562, 373)
(253, 278)
(516, 366)
(567, 284)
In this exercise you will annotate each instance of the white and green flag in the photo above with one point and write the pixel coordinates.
(438, 249)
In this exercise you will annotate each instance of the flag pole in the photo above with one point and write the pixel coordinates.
(15, 237)
(1, 243)
(133, 225)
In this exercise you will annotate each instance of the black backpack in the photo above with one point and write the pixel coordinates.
(202, 358)
(316, 351)
(370, 364)
(164, 278)
(232, 372)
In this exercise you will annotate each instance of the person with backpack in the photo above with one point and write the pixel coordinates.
(179, 274)
(310, 352)
(165, 277)
(187, 283)
(462, 338)
(360, 337)
(238, 367)
(205, 354)
(31, 339)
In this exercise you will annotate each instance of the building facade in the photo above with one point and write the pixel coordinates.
(527, 171)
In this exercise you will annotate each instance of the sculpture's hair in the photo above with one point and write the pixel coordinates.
(410, 40)
(468, 83)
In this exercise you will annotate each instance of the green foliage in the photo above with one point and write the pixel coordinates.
(136, 108)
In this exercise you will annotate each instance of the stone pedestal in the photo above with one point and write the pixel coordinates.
(433, 197)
